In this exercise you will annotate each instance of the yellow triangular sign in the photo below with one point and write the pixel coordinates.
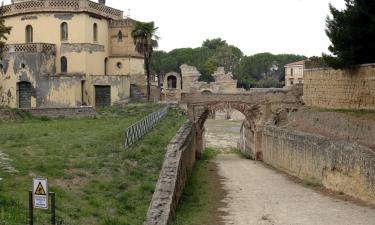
(40, 190)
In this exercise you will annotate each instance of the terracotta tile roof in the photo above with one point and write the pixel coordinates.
(298, 63)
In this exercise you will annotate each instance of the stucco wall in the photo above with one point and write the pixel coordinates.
(46, 29)
(26, 67)
(339, 165)
(178, 163)
(341, 89)
(120, 88)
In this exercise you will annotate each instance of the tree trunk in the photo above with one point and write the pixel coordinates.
(159, 85)
(147, 65)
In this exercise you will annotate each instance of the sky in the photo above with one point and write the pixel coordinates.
(255, 26)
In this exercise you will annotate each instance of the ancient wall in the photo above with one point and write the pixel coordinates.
(178, 163)
(62, 112)
(339, 165)
(341, 89)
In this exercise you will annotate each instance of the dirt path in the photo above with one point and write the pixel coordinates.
(257, 195)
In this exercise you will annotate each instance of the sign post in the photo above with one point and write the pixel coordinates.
(40, 193)
(38, 199)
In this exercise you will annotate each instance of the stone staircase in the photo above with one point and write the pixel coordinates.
(136, 95)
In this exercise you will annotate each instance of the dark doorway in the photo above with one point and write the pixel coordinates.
(172, 82)
(83, 92)
(24, 95)
(102, 96)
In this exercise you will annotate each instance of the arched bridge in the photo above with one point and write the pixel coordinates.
(258, 105)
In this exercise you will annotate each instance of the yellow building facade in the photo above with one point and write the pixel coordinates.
(67, 53)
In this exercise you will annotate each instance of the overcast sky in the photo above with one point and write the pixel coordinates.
(276, 26)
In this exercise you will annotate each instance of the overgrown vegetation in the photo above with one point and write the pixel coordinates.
(201, 197)
(364, 114)
(96, 181)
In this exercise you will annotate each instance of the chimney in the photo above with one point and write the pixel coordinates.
(102, 2)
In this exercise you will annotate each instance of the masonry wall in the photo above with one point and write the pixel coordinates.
(340, 89)
(339, 165)
(178, 163)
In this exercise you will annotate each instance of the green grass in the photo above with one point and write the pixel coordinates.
(311, 182)
(366, 114)
(96, 181)
(198, 203)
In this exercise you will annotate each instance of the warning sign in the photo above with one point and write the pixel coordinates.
(40, 193)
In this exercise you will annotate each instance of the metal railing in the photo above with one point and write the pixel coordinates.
(137, 130)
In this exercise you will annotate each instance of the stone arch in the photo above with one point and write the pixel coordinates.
(253, 118)
(206, 91)
(172, 80)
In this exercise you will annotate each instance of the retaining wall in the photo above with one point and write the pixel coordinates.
(62, 112)
(340, 89)
(339, 165)
(178, 163)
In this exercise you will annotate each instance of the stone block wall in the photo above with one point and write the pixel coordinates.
(62, 112)
(340, 89)
(339, 165)
(178, 163)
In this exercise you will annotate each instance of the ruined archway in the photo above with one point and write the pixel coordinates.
(259, 106)
(253, 116)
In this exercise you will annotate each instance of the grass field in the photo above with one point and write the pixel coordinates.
(96, 181)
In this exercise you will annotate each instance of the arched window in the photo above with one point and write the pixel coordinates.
(105, 66)
(29, 34)
(64, 64)
(172, 82)
(64, 31)
(95, 32)
(119, 36)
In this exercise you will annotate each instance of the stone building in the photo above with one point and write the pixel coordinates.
(294, 73)
(188, 82)
(67, 53)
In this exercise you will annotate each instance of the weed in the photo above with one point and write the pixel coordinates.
(86, 166)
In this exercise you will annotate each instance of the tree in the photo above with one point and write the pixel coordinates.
(352, 33)
(214, 43)
(4, 30)
(228, 56)
(145, 40)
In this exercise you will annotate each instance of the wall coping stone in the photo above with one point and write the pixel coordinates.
(162, 204)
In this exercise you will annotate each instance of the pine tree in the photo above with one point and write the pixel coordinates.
(4, 30)
(352, 33)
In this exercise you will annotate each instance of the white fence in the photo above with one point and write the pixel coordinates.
(137, 130)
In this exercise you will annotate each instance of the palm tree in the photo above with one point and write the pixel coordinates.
(145, 41)
(3, 29)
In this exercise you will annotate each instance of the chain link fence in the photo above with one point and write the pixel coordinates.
(137, 130)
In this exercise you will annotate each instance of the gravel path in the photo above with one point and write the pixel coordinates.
(257, 195)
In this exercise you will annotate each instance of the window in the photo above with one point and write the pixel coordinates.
(119, 65)
(172, 82)
(95, 32)
(291, 71)
(64, 65)
(29, 34)
(105, 66)
(291, 82)
(119, 36)
(64, 31)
